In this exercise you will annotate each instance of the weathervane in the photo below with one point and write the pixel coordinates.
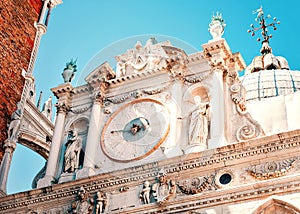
(262, 21)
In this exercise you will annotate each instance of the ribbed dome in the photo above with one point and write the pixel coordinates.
(270, 83)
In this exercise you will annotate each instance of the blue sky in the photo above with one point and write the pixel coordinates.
(85, 29)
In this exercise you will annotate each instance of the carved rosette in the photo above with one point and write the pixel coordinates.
(272, 169)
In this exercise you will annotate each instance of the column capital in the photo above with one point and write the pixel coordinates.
(98, 97)
(9, 145)
(62, 107)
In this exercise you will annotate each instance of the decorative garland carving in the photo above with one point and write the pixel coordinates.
(156, 90)
(121, 99)
(80, 110)
(198, 78)
(196, 185)
(134, 94)
(273, 169)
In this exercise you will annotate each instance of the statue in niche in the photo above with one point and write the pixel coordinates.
(72, 153)
(198, 130)
(145, 193)
(101, 200)
(14, 124)
(83, 205)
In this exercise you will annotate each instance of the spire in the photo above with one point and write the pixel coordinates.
(38, 105)
(261, 19)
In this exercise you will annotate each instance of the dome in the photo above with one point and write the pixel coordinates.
(270, 83)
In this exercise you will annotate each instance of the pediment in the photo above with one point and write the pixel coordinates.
(103, 71)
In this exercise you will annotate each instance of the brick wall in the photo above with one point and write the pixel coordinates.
(17, 33)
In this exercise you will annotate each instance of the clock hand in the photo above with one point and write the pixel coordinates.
(114, 131)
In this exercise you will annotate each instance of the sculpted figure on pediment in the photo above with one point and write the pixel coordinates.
(140, 58)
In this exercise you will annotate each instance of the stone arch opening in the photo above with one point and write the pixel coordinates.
(276, 206)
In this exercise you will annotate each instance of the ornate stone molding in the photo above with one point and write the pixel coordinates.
(272, 169)
(288, 142)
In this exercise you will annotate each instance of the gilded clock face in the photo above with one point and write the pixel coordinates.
(135, 130)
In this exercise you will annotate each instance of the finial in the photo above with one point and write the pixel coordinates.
(262, 21)
(216, 26)
(69, 70)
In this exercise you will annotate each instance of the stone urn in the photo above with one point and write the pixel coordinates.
(69, 71)
(216, 27)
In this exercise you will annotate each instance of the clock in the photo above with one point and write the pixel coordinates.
(135, 130)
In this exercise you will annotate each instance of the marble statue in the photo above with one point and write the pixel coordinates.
(83, 205)
(72, 153)
(198, 129)
(100, 202)
(145, 193)
(14, 124)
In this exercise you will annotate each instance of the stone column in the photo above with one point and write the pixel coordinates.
(62, 92)
(9, 148)
(43, 12)
(93, 138)
(48, 14)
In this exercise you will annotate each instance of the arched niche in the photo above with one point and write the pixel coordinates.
(196, 111)
(80, 124)
(276, 206)
(210, 91)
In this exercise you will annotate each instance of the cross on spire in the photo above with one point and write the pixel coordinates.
(261, 19)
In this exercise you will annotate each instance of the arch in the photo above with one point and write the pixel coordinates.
(276, 206)
(81, 123)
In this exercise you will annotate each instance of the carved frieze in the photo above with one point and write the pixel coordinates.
(84, 204)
